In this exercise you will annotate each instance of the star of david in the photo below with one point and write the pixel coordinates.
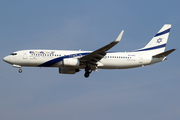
(159, 40)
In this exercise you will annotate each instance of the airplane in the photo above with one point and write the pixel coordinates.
(70, 62)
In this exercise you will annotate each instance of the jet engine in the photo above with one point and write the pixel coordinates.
(68, 70)
(72, 62)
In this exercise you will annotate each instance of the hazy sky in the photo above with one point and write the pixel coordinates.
(147, 93)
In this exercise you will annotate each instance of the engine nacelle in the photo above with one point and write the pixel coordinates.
(71, 62)
(68, 70)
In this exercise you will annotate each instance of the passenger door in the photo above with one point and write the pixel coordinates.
(25, 56)
(140, 58)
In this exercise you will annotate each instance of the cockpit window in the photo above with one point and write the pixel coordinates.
(13, 54)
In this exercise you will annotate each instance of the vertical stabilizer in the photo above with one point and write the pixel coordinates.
(158, 42)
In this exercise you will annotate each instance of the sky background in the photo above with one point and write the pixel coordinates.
(146, 93)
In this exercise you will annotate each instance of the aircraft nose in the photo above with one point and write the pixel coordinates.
(6, 59)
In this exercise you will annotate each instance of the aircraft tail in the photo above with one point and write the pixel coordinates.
(158, 42)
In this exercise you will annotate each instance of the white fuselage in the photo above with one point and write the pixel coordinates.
(54, 58)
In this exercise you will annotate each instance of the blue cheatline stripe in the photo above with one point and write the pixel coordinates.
(161, 33)
(152, 48)
(56, 60)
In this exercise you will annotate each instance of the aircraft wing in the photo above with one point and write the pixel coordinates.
(97, 55)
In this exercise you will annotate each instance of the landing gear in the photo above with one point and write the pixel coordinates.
(20, 70)
(86, 74)
(87, 71)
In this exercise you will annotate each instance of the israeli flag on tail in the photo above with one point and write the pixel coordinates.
(158, 42)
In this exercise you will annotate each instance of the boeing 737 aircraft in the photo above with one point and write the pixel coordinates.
(70, 62)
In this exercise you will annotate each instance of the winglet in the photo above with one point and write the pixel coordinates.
(119, 36)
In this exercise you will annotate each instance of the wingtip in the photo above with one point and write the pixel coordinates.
(119, 36)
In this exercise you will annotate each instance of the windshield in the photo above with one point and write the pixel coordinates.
(13, 54)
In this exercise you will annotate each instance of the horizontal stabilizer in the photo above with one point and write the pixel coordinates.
(164, 54)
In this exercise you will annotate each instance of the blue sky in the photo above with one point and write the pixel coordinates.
(150, 92)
